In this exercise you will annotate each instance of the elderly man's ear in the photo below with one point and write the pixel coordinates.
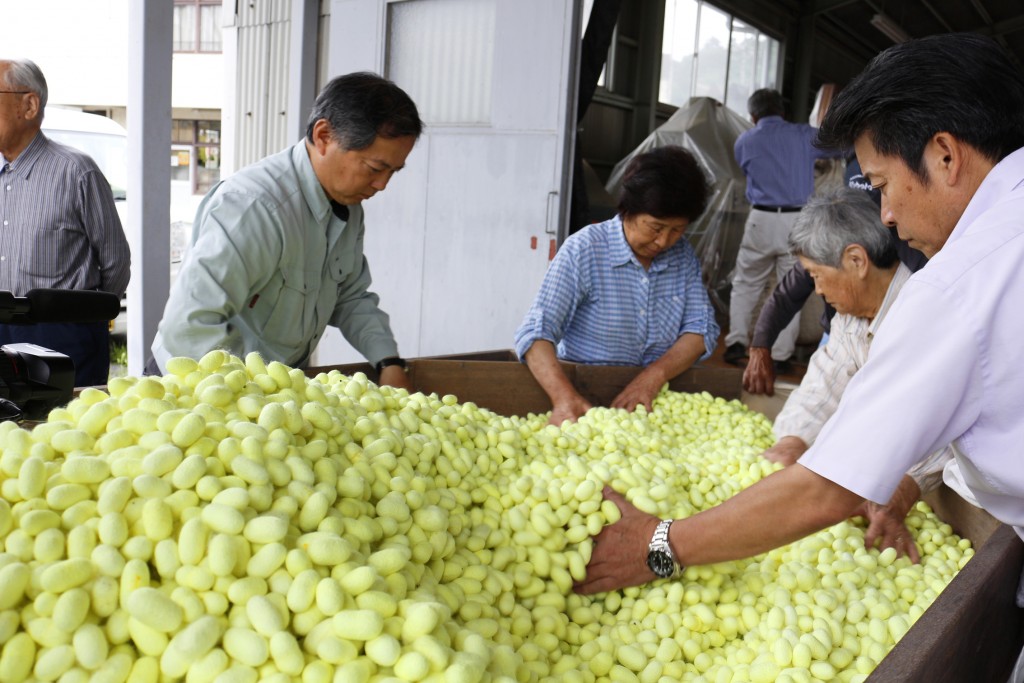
(30, 107)
(855, 259)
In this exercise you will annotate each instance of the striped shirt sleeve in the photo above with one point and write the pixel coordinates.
(813, 402)
(559, 295)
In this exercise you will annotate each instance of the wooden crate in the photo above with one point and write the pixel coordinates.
(497, 381)
(972, 632)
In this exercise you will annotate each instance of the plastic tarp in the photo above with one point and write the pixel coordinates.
(708, 130)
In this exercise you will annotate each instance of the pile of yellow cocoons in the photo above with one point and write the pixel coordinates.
(235, 521)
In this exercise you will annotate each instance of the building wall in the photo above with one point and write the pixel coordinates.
(82, 48)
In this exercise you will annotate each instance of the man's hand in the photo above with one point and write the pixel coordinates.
(759, 375)
(395, 376)
(641, 390)
(786, 451)
(619, 558)
(569, 409)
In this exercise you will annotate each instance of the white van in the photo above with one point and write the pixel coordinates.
(106, 141)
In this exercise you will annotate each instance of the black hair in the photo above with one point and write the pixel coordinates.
(666, 182)
(959, 83)
(362, 105)
(765, 102)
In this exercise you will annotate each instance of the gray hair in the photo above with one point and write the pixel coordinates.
(832, 221)
(23, 74)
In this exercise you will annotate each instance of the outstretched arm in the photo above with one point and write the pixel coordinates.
(566, 402)
(646, 385)
(779, 509)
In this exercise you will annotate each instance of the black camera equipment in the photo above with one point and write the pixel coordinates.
(34, 379)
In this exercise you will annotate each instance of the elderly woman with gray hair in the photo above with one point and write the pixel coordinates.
(852, 258)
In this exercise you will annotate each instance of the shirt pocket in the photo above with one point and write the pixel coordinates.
(340, 265)
(283, 308)
(40, 255)
(669, 311)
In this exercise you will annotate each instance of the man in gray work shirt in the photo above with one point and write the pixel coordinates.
(277, 250)
(58, 224)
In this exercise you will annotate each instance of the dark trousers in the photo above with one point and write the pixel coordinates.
(87, 344)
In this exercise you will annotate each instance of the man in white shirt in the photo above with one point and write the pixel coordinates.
(936, 124)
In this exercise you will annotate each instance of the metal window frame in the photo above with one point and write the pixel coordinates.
(197, 33)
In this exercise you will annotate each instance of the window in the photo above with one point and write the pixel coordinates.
(197, 26)
(195, 154)
(708, 52)
(678, 52)
(752, 65)
(712, 53)
(442, 53)
(588, 6)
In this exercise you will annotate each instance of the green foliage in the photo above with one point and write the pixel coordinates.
(118, 353)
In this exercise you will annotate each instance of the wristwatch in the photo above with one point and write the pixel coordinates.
(393, 360)
(660, 558)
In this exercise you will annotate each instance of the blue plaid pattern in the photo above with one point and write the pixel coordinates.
(599, 306)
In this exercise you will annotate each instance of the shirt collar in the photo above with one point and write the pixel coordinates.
(1000, 181)
(312, 191)
(620, 253)
(898, 280)
(22, 166)
(339, 210)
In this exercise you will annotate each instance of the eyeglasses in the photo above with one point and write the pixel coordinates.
(15, 92)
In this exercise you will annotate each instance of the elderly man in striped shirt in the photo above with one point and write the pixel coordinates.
(627, 291)
(58, 224)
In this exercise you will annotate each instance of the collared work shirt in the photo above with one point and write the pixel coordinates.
(59, 227)
(832, 367)
(269, 267)
(778, 159)
(599, 306)
(946, 366)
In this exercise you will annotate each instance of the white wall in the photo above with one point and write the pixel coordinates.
(197, 81)
(459, 242)
(81, 46)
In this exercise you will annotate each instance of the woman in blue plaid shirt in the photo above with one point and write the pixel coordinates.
(627, 291)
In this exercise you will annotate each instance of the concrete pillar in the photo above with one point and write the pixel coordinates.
(149, 172)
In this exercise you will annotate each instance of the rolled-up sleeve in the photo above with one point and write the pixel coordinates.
(551, 312)
(699, 316)
(928, 473)
(812, 403)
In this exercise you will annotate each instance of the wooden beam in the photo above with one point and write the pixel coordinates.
(821, 6)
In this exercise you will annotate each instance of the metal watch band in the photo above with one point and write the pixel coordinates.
(659, 541)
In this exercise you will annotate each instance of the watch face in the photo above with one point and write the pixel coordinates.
(660, 563)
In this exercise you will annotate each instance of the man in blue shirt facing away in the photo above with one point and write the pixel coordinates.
(778, 159)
